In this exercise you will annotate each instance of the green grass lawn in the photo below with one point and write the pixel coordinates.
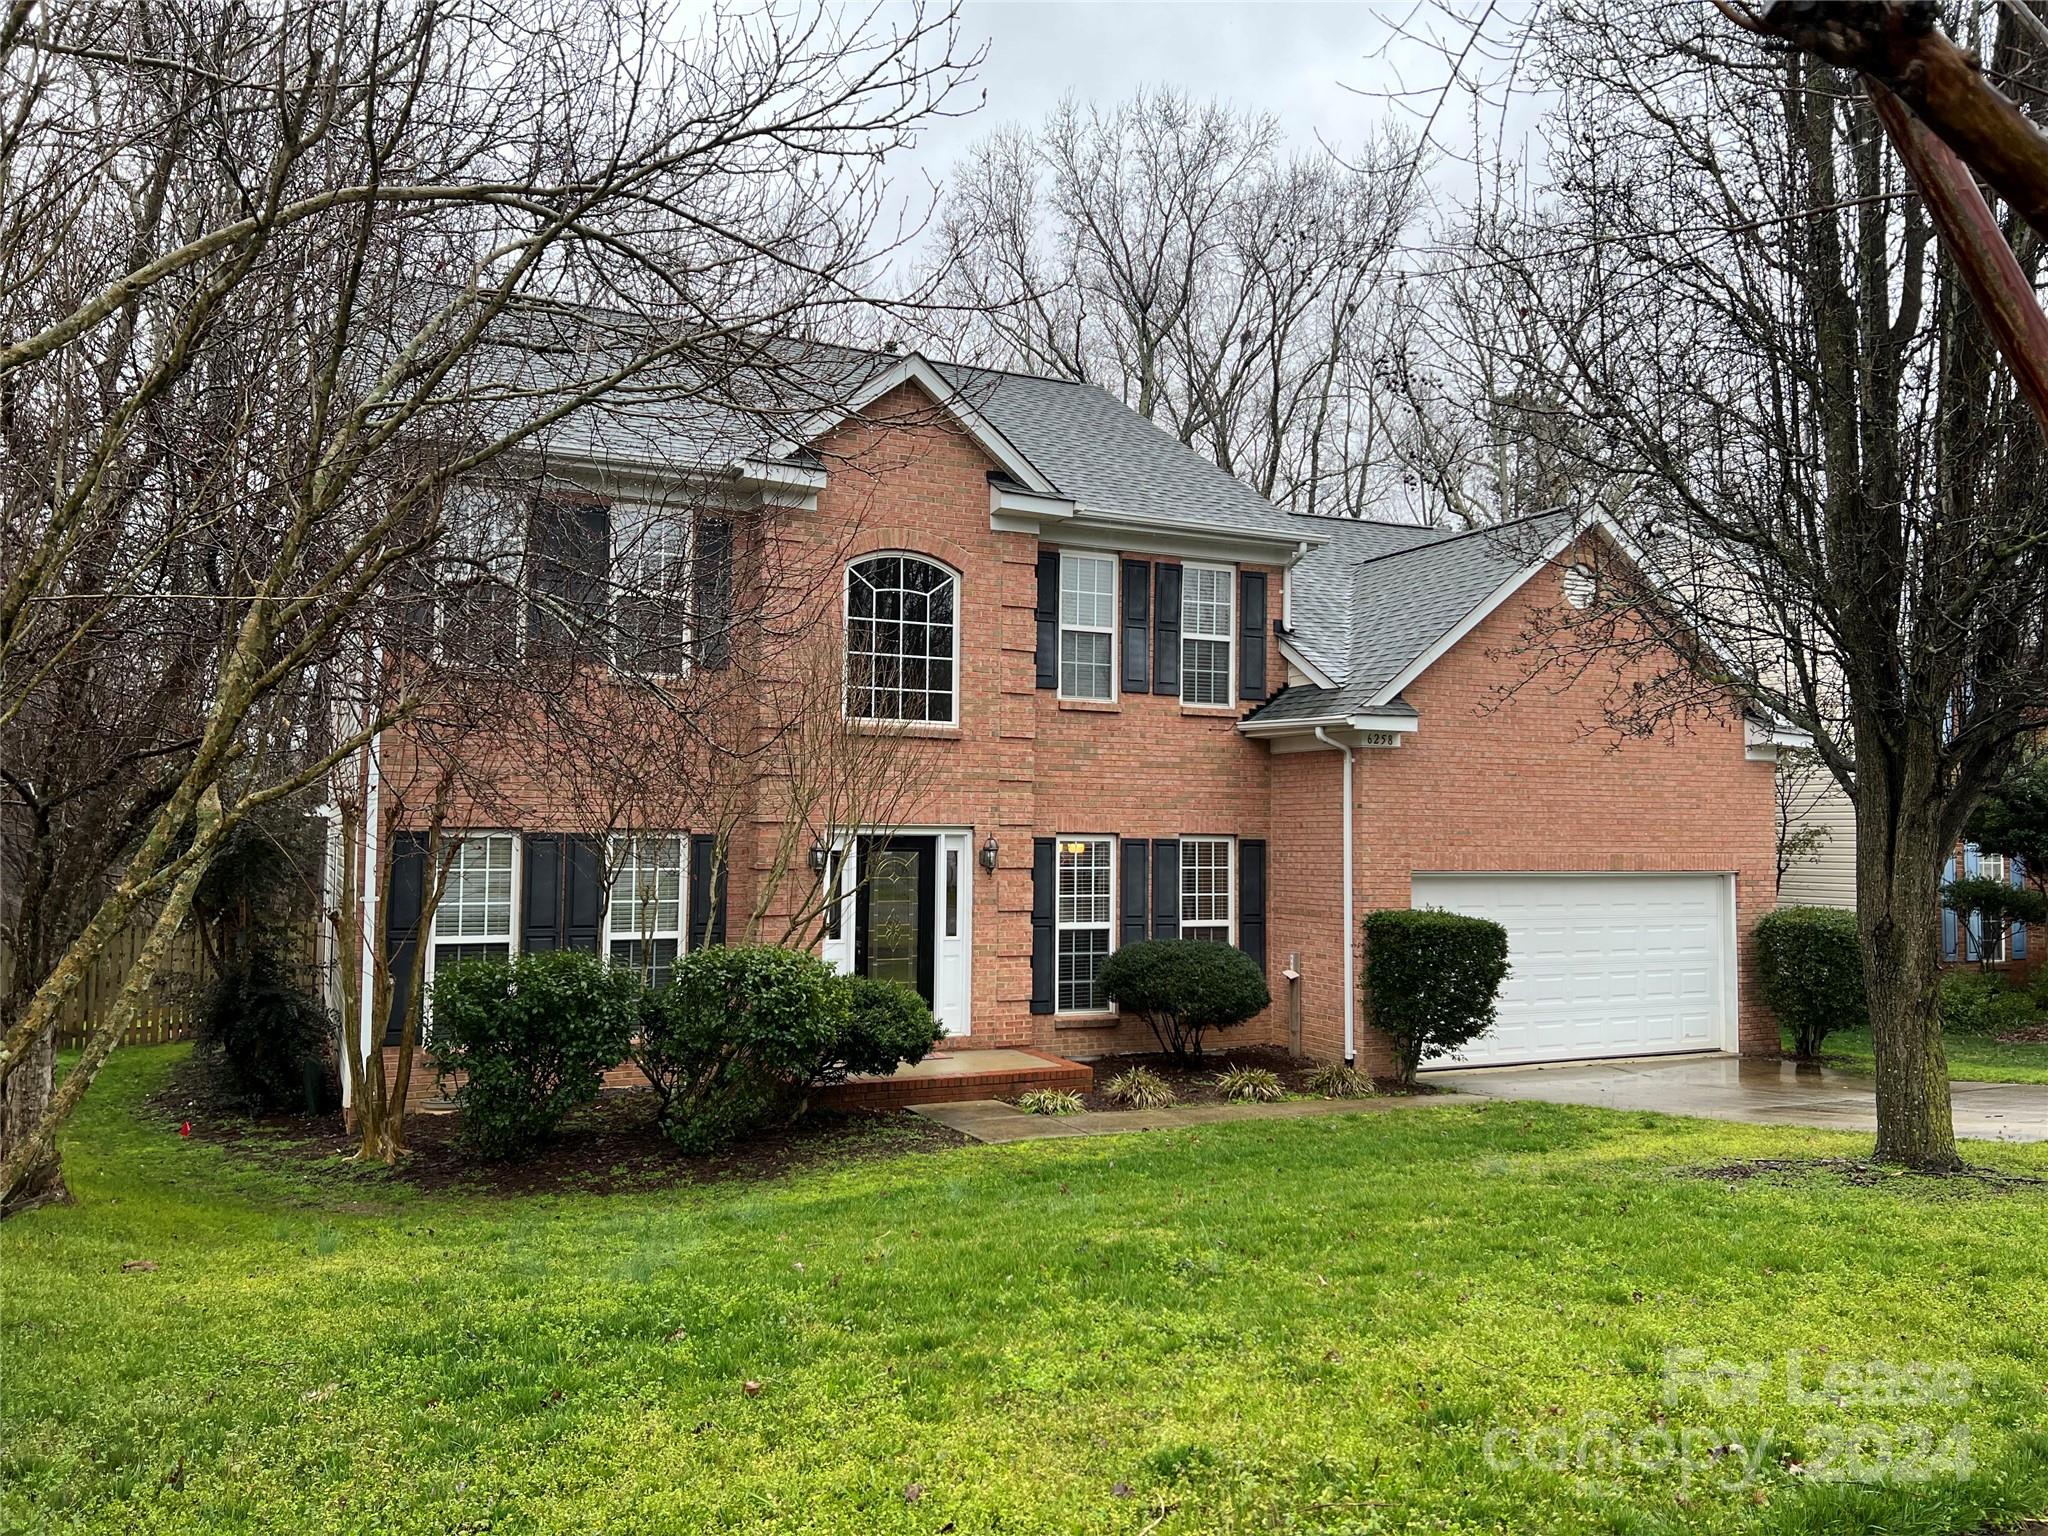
(1316, 1325)
(1971, 1058)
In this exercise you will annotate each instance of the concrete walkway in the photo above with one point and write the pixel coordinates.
(994, 1121)
(1757, 1091)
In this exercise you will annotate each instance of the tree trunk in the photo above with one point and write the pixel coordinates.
(24, 1101)
(1899, 852)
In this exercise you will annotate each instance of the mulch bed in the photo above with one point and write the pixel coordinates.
(1196, 1084)
(2032, 1034)
(612, 1146)
(1851, 1170)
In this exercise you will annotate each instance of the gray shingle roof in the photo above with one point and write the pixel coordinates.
(1371, 602)
(1107, 458)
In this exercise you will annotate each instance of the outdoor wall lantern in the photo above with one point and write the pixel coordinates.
(817, 858)
(989, 850)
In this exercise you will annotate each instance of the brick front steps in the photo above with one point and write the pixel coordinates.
(947, 1077)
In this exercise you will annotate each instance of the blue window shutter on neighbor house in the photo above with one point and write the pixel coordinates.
(2019, 930)
(1973, 928)
(1948, 918)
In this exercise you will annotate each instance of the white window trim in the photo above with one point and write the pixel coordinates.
(616, 857)
(434, 941)
(1229, 883)
(846, 650)
(1107, 1010)
(1229, 639)
(1116, 573)
(616, 592)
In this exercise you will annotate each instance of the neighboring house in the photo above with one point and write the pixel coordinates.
(1159, 705)
(1827, 878)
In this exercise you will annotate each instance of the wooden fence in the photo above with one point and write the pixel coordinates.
(169, 1012)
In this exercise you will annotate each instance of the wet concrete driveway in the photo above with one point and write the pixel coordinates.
(1760, 1092)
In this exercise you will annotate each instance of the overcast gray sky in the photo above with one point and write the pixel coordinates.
(1328, 70)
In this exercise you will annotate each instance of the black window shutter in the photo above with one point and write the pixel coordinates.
(1166, 884)
(1137, 621)
(1137, 889)
(540, 895)
(1251, 635)
(1166, 630)
(711, 592)
(582, 894)
(1044, 890)
(1048, 615)
(569, 544)
(706, 907)
(1251, 899)
(403, 901)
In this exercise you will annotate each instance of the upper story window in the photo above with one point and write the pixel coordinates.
(476, 614)
(1206, 616)
(901, 640)
(1087, 626)
(650, 590)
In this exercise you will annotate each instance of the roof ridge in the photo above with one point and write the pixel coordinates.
(1463, 533)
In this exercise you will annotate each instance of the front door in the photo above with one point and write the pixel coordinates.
(894, 936)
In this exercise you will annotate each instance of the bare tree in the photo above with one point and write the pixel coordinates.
(270, 284)
(1171, 253)
(1744, 312)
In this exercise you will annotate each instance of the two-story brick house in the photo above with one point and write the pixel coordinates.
(1149, 702)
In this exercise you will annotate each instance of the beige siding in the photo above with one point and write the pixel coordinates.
(1828, 878)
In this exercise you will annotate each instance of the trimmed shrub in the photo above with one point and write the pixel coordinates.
(261, 1034)
(1050, 1101)
(1812, 969)
(744, 1035)
(1183, 988)
(1334, 1080)
(533, 1037)
(887, 1025)
(1140, 1088)
(1251, 1085)
(734, 1041)
(1431, 979)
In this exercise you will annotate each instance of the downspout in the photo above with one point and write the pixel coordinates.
(1345, 949)
(373, 789)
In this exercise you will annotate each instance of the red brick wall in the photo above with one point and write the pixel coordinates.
(1530, 782)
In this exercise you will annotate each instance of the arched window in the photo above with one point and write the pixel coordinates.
(901, 640)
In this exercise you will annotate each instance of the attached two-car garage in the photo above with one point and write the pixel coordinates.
(1601, 965)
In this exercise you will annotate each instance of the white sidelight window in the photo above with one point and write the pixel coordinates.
(474, 918)
(1205, 889)
(1087, 626)
(644, 918)
(1206, 614)
(1083, 916)
(901, 640)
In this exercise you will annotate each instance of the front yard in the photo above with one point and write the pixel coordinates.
(1400, 1321)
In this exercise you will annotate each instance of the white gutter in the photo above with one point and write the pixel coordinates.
(1345, 949)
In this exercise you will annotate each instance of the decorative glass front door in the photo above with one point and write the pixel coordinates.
(894, 932)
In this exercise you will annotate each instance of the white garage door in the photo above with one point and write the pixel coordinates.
(1600, 965)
